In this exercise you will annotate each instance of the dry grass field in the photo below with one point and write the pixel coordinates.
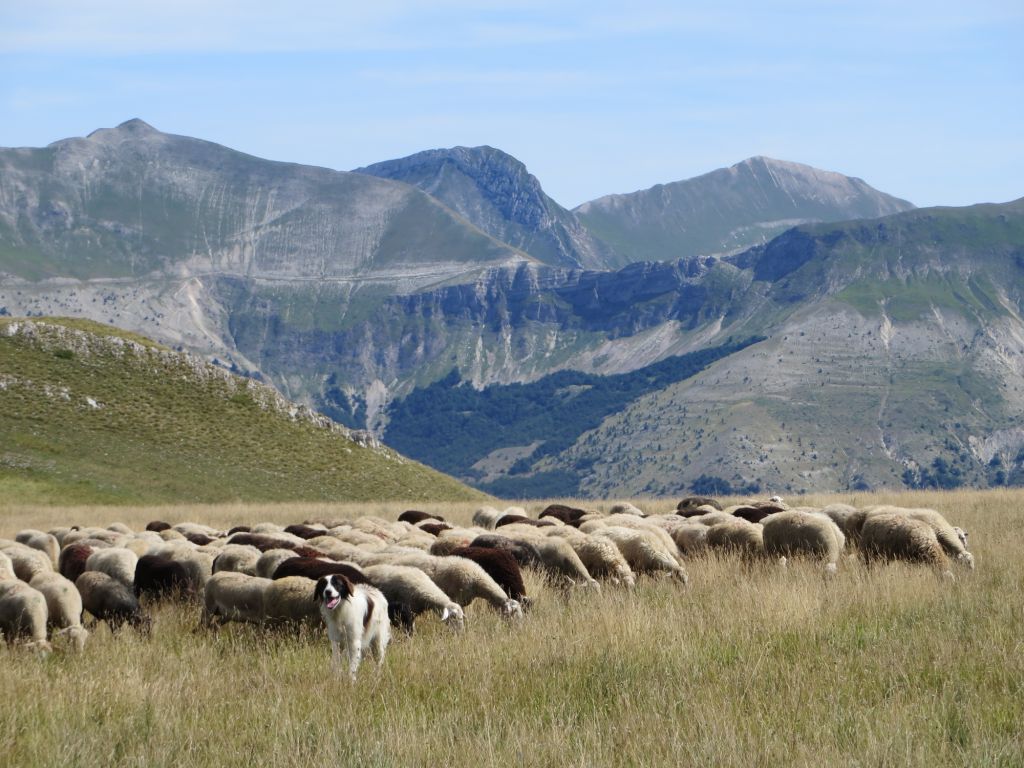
(748, 666)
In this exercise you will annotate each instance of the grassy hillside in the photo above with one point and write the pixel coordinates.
(751, 665)
(93, 415)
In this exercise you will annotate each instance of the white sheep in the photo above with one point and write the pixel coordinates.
(117, 562)
(557, 555)
(657, 530)
(333, 547)
(601, 557)
(63, 607)
(644, 551)
(412, 589)
(690, 537)
(120, 528)
(291, 599)
(463, 581)
(241, 558)
(23, 614)
(794, 532)
(738, 536)
(625, 508)
(6, 569)
(27, 562)
(951, 542)
(892, 536)
(196, 529)
(112, 538)
(234, 596)
(44, 542)
(487, 517)
(849, 519)
(269, 560)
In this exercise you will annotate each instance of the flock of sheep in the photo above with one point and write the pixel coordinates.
(420, 563)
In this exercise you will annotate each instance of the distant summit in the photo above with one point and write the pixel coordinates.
(730, 209)
(495, 192)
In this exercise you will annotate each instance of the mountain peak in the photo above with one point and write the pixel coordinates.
(495, 191)
(133, 127)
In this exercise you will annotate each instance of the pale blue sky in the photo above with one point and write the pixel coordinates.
(924, 100)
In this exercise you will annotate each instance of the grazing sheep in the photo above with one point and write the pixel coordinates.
(625, 508)
(117, 562)
(568, 515)
(61, 531)
(948, 538)
(107, 599)
(525, 553)
(44, 542)
(500, 566)
(237, 557)
(26, 561)
(356, 616)
(6, 569)
(522, 520)
(751, 514)
(803, 533)
(270, 560)
(691, 503)
(305, 532)
(415, 516)
(335, 548)
(23, 614)
(197, 529)
(63, 608)
(892, 536)
(72, 560)
(434, 529)
(601, 557)
(159, 575)
(238, 529)
(291, 600)
(737, 536)
(314, 569)
(712, 518)
(264, 542)
(849, 519)
(120, 528)
(170, 534)
(157, 526)
(233, 596)
(559, 558)
(637, 524)
(198, 564)
(444, 547)
(644, 552)
(412, 588)
(487, 517)
(109, 538)
(690, 537)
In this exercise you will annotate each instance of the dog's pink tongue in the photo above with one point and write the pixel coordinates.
(333, 603)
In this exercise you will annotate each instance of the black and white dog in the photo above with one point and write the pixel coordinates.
(356, 616)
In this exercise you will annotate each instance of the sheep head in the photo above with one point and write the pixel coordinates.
(453, 616)
(512, 609)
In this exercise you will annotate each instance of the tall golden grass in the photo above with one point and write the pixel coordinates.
(750, 665)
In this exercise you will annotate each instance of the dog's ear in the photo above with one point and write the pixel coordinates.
(321, 585)
(344, 585)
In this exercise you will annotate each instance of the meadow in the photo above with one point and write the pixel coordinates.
(748, 666)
